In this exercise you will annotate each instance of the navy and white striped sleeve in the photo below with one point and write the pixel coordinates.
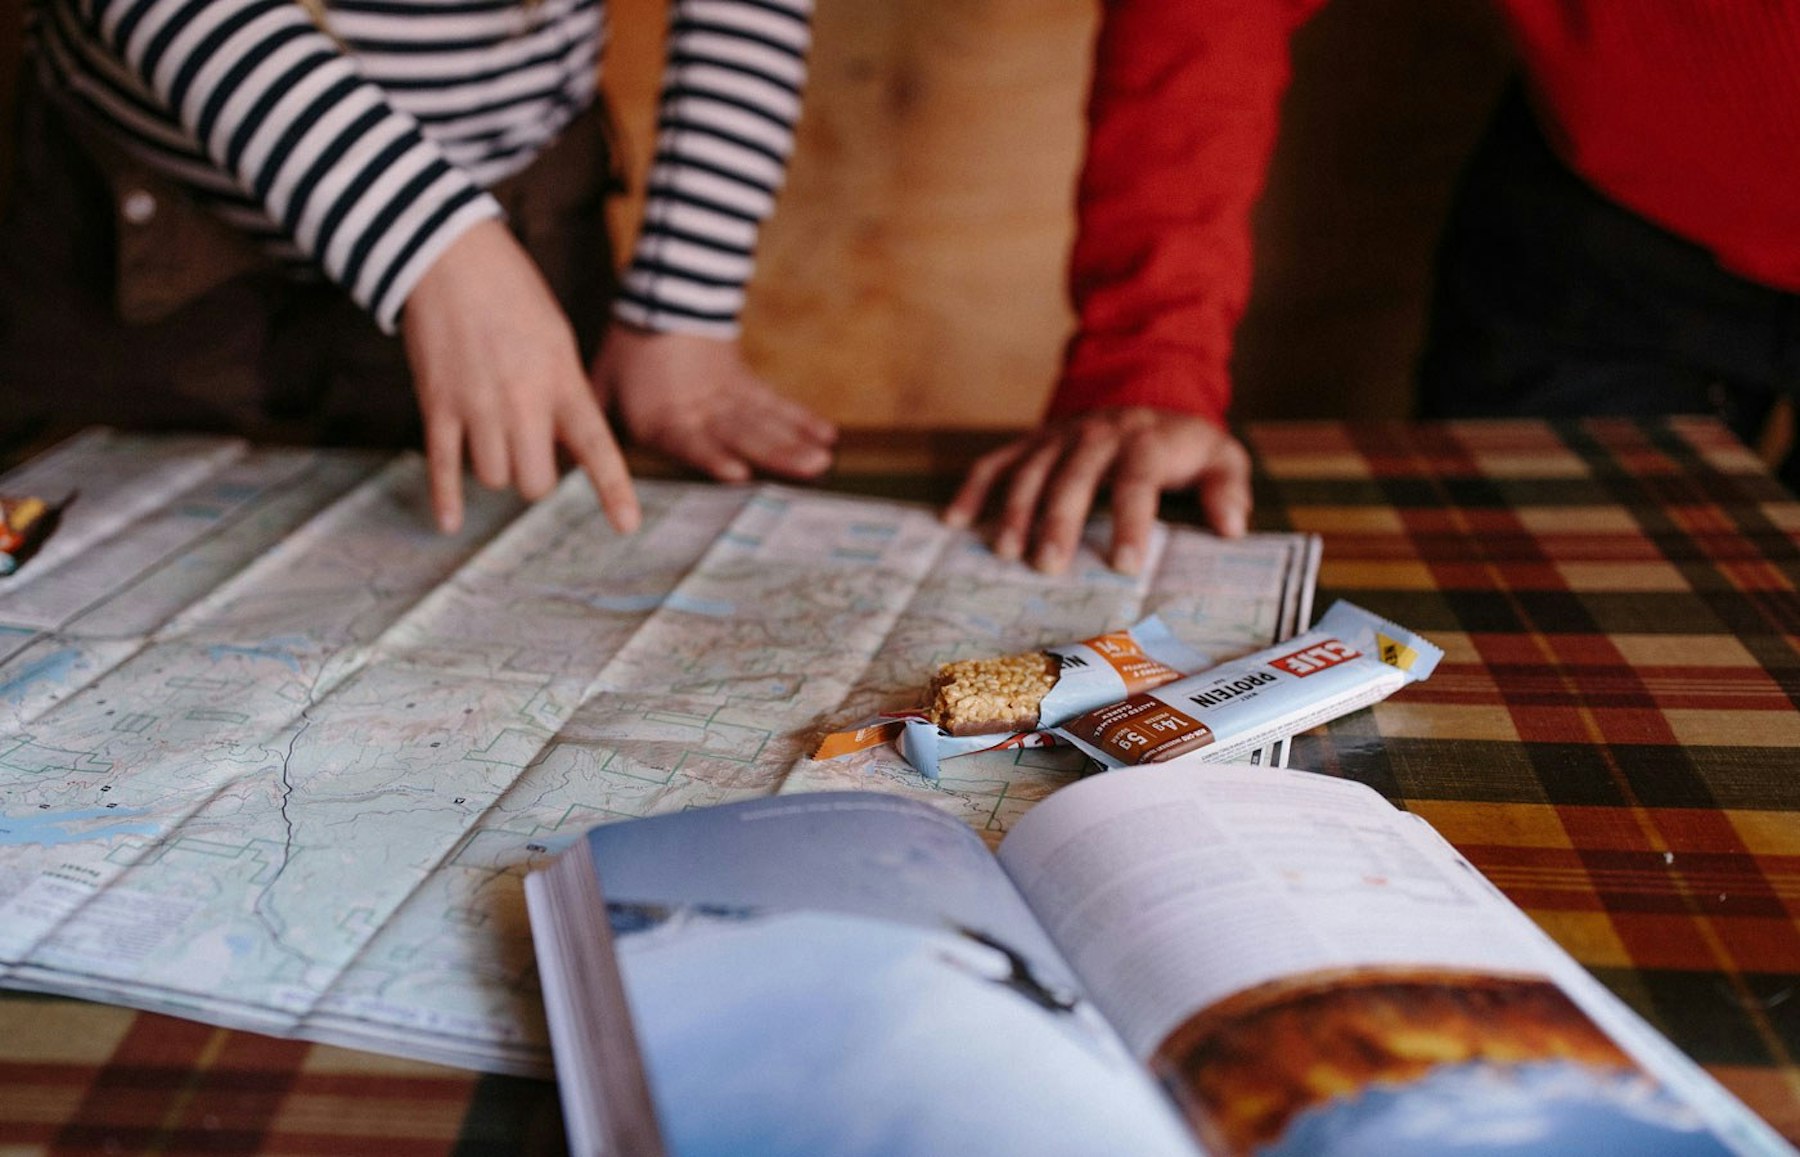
(731, 95)
(277, 105)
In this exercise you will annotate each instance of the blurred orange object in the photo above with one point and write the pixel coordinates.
(24, 524)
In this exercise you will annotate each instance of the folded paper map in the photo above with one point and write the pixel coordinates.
(276, 755)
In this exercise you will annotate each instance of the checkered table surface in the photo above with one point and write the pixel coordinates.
(1613, 737)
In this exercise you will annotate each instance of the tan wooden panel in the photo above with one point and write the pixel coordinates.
(913, 275)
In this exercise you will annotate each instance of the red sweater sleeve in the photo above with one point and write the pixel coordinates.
(1181, 121)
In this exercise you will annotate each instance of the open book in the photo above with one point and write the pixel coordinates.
(1183, 958)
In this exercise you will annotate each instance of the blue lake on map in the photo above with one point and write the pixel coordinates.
(49, 828)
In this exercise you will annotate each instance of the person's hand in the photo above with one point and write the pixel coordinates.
(1045, 482)
(694, 399)
(495, 365)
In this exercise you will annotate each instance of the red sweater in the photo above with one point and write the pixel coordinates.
(1685, 111)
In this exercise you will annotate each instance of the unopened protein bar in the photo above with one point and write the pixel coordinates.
(1351, 659)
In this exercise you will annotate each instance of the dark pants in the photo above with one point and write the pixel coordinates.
(175, 322)
(1553, 301)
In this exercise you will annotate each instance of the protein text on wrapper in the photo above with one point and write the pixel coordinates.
(1350, 660)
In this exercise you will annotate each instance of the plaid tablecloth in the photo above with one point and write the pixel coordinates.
(1614, 737)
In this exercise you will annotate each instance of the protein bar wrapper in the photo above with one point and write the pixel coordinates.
(1351, 659)
(924, 744)
(1100, 669)
(1094, 671)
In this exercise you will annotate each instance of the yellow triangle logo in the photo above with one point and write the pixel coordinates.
(1395, 653)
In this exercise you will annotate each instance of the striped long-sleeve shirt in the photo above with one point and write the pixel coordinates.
(364, 146)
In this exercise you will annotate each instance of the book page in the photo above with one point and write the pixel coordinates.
(1310, 970)
(851, 973)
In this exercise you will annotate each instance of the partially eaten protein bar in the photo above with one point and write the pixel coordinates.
(983, 696)
(979, 704)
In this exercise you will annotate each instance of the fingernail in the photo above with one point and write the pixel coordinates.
(1051, 559)
(955, 519)
(1009, 547)
(1128, 560)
